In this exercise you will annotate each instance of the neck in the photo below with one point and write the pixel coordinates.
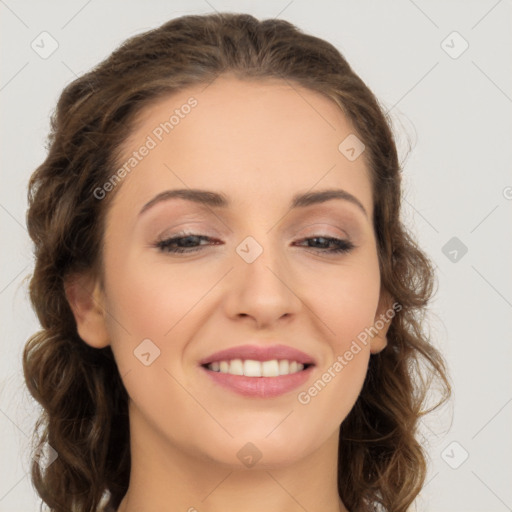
(164, 476)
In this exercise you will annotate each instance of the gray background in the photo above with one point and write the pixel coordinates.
(454, 111)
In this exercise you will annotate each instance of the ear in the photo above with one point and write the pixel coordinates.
(383, 317)
(86, 300)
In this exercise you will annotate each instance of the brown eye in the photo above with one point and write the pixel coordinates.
(337, 245)
(183, 243)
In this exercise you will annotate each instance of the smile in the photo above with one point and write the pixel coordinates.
(252, 368)
(258, 386)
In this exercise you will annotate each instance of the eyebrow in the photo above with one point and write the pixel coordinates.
(220, 200)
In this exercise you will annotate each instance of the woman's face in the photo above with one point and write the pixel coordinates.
(260, 271)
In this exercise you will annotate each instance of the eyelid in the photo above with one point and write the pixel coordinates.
(198, 231)
(205, 227)
(189, 230)
(341, 232)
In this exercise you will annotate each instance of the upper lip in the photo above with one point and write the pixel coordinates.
(259, 353)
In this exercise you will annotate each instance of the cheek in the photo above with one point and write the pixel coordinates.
(347, 301)
(347, 312)
(152, 298)
(156, 302)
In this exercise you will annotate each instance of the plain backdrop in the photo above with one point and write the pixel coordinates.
(443, 70)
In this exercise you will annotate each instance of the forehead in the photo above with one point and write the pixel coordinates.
(265, 137)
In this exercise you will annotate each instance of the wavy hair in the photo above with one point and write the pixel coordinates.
(382, 465)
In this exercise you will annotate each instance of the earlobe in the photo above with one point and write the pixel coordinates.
(383, 317)
(86, 300)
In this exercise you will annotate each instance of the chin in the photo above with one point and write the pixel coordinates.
(261, 452)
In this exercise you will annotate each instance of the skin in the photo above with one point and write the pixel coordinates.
(259, 143)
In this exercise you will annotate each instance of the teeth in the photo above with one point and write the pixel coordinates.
(284, 367)
(236, 367)
(270, 368)
(252, 368)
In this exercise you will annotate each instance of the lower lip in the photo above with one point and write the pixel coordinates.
(260, 387)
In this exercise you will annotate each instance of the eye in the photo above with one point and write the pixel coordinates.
(190, 242)
(182, 243)
(338, 245)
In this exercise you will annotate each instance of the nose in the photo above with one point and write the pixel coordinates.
(264, 290)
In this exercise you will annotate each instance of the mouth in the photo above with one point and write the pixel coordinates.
(258, 379)
(257, 370)
(253, 369)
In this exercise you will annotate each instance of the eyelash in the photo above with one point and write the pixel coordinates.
(343, 246)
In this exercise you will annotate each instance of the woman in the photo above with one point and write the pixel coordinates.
(230, 304)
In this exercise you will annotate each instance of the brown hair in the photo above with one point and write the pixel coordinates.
(85, 419)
